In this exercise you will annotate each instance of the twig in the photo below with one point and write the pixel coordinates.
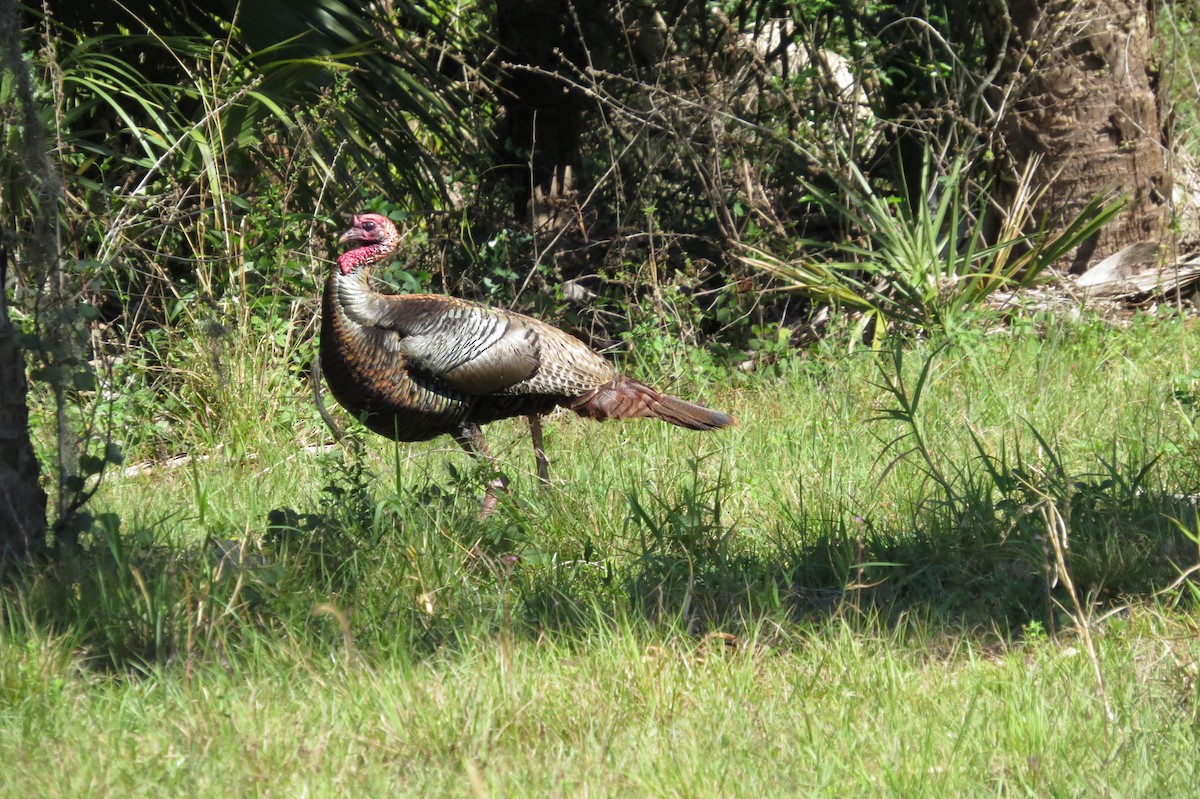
(1058, 532)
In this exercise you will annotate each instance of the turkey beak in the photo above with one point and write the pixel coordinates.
(353, 234)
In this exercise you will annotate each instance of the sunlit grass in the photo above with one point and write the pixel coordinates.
(829, 709)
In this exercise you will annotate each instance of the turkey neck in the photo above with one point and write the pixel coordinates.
(350, 285)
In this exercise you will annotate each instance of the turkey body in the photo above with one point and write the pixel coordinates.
(416, 366)
(413, 367)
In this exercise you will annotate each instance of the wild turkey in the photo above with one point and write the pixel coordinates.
(412, 367)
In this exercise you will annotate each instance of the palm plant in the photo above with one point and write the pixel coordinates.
(924, 261)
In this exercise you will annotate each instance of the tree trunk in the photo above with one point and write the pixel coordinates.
(543, 116)
(1087, 105)
(22, 500)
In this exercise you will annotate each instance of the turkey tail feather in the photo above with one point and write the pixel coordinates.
(628, 399)
(690, 415)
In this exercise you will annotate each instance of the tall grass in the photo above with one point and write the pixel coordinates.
(833, 491)
(806, 604)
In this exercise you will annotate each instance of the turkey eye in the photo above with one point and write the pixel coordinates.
(368, 225)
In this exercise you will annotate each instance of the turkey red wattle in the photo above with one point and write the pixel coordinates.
(362, 256)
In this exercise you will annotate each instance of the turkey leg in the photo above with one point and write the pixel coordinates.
(470, 438)
(539, 453)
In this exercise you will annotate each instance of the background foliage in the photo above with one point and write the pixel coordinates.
(207, 153)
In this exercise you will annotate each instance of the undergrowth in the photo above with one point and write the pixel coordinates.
(869, 484)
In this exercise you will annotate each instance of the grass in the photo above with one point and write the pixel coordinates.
(829, 709)
(809, 604)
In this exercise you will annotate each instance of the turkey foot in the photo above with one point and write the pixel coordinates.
(490, 496)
